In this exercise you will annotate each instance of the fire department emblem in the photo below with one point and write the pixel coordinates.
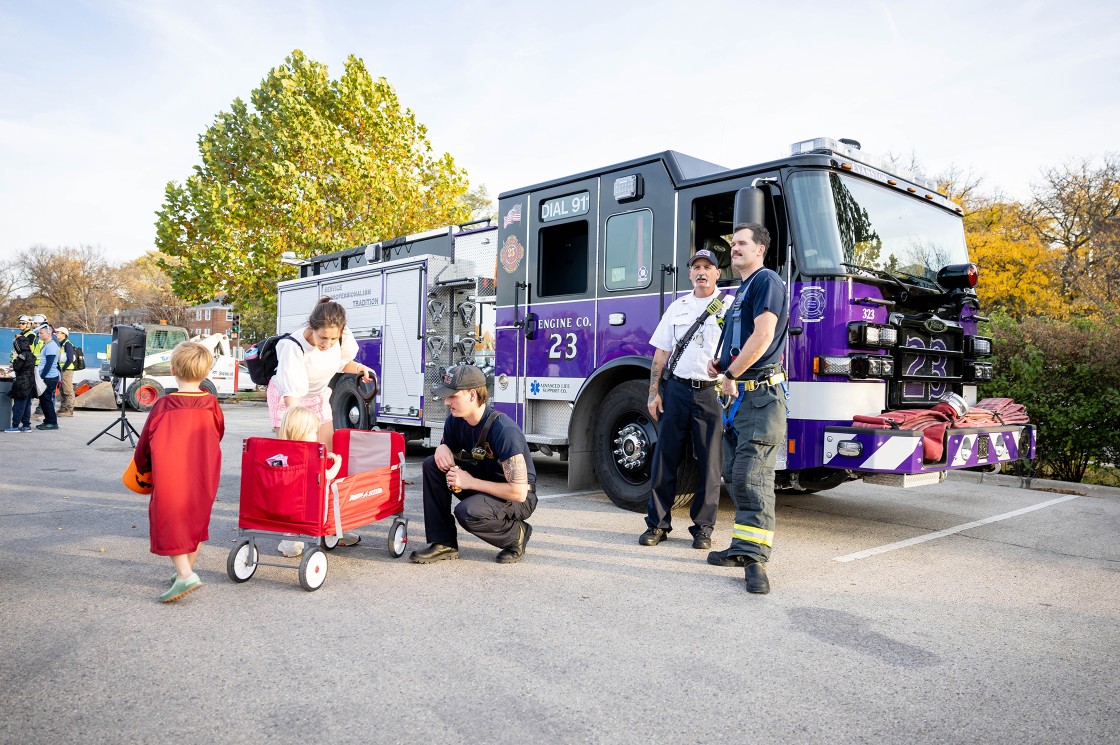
(643, 274)
(811, 305)
(503, 381)
(511, 254)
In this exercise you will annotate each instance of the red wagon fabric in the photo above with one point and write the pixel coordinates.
(370, 485)
(284, 487)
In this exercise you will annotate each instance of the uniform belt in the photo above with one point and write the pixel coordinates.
(692, 383)
(750, 385)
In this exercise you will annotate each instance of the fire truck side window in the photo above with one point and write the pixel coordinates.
(629, 252)
(562, 254)
(711, 229)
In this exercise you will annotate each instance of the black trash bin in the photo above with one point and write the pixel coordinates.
(5, 403)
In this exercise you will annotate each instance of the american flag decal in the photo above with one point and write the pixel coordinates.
(514, 215)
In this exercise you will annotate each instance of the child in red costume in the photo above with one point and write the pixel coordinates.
(181, 447)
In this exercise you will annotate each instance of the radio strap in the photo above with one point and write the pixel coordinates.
(713, 307)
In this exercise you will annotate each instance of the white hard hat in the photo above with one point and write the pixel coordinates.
(38, 318)
(25, 318)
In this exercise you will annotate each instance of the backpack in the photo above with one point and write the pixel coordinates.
(261, 358)
(79, 362)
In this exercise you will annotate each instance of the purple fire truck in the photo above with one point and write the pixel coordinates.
(558, 300)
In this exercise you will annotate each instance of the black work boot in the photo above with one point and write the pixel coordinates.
(653, 536)
(755, 574)
(433, 553)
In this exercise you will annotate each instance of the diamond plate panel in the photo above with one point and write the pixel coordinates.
(476, 256)
(548, 418)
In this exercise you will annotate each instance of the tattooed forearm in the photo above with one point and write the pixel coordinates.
(515, 470)
(655, 378)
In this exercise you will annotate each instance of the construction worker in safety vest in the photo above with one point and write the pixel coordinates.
(32, 333)
(37, 321)
(66, 360)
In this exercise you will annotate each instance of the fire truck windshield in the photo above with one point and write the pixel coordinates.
(843, 224)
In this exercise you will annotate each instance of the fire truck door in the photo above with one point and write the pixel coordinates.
(402, 373)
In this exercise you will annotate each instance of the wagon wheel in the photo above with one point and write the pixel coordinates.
(398, 537)
(313, 569)
(239, 566)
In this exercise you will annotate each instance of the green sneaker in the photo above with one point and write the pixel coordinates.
(180, 588)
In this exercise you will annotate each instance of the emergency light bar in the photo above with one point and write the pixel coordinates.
(828, 145)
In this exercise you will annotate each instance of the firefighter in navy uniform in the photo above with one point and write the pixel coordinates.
(483, 460)
(750, 353)
(685, 342)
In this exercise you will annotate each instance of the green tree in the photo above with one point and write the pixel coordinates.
(1067, 374)
(311, 165)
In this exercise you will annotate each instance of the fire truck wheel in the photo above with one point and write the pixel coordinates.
(143, 393)
(238, 565)
(350, 411)
(313, 569)
(624, 440)
(208, 386)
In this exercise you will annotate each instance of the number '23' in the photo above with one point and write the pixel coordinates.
(563, 346)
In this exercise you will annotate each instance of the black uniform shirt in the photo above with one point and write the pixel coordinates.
(762, 291)
(504, 441)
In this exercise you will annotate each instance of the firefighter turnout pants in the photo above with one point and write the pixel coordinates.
(749, 458)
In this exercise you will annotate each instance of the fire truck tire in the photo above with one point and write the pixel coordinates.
(208, 386)
(143, 393)
(624, 440)
(350, 411)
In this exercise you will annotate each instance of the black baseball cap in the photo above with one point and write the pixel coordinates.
(459, 378)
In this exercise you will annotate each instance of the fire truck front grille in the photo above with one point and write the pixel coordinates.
(928, 364)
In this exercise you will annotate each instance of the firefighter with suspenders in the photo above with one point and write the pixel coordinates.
(750, 355)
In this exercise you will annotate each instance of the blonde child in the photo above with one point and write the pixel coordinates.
(302, 424)
(181, 447)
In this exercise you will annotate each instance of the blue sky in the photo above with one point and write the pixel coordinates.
(101, 103)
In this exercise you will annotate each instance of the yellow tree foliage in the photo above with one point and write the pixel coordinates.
(1018, 273)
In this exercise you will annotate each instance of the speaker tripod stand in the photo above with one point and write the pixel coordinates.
(127, 430)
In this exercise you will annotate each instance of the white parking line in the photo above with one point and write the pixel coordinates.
(569, 494)
(949, 531)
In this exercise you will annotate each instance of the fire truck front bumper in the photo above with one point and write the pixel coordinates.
(900, 451)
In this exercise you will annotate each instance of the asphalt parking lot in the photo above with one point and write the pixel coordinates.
(964, 612)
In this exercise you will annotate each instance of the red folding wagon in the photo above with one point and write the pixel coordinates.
(285, 493)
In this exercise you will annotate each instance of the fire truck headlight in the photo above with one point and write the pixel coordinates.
(862, 334)
(977, 372)
(978, 346)
(832, 366)
(856, 367)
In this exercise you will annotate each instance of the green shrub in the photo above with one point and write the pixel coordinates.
(1067, 374)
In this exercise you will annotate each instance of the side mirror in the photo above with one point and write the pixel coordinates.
(750, 206)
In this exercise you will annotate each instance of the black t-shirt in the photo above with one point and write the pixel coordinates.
(762, 291)
(504, 440)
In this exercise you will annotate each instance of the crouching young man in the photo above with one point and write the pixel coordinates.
(484, 461)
